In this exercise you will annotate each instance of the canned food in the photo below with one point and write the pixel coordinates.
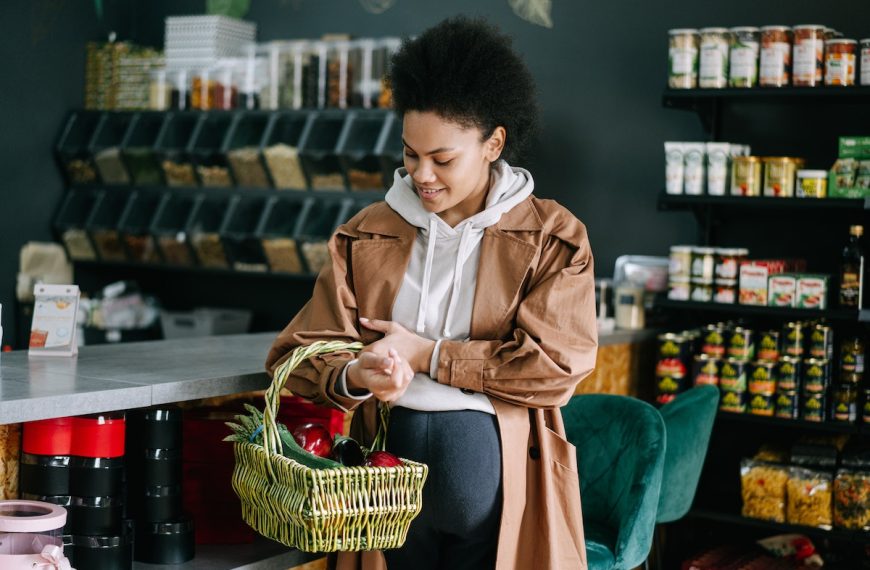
(715, 45)
(845, 407)
(775, 65)
(746, 176)
(693, 340)
(680, 263)
(741, 344)
(812, 184)
(788, 373)
(702, 292)
(761, 378)
(793, 339)
(865, 61)
(667, 388)
(762, 404)
(840, 56)
(779, 173)
(703, 264)
(787, 404)
(728, 263)
(808, 52)
(866, 408)
(683, 58)
(734, 402)
(852, 356)
(768, 346)
(713, 343)
(743, 58)
(732, 375)
(725, 291)
(671, 368)
(705, 370)
(821, 342)
(817, 375)
(673, 345)
(813, 407)
(678, 290)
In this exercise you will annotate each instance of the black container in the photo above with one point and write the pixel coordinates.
(242, 245)
(73, 147)
(105, 552)
(135, 226)
(281, 149)
(168, 230)
(69, 549)
(278, 230)
(317, 226)
(71, 223)
(138, 149)
(106, 145)
(166, 542)
(96, 477)
(317, 150)
(95, 516)
(158, 428)
(242, 147)
(104, 222)
(161, 467)
(159, 503)
(357, 150)
(390, 150)
(204, 149)
(171, 148)
(204, 231)
(44, 474)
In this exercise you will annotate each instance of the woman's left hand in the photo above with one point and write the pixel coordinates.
(416, 350)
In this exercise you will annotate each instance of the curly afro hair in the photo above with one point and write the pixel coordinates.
(466, 71)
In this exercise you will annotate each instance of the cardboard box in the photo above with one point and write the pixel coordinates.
(812, 291)
(854, 147)
(753, 279)
(782, 290)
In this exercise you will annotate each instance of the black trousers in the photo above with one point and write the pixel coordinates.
(458, 526)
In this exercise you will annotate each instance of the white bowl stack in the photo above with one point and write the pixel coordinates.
(200, 41)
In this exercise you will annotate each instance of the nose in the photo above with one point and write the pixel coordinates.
(422, 173)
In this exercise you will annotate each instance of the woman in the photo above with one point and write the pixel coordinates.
(475, 302)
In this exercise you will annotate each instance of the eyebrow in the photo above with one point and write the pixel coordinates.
(431, 152)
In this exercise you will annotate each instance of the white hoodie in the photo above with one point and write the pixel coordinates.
(436, 298)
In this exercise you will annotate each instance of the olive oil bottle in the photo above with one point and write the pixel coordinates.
(852, 270)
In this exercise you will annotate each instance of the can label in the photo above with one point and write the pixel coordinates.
(733, 402)
(788, 375)
(787, 405)
(793, 342)
(822, 342)
(762, 404)
(814, 408)
(741, 345)
(671, 367)
(768, 346)
(706, 371)
(761, 379)
(714, 343)
(846, 412)
(733, 376)
(815, 376)
(852, 362)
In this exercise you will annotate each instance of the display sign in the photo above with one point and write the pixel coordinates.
(53, 330)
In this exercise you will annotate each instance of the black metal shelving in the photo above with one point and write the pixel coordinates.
(780, 423)
(192, 269)
(839, 535)
(677, 202)
(785, 313)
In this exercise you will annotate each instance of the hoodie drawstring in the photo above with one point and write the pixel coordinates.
(427, 275)
(457, 278)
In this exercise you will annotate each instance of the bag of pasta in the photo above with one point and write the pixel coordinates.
(809, 497)
(852, 499)
(763, 487)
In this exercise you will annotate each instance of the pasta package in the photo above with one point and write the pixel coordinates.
(809, 498)
(852, 499)
(763, 488)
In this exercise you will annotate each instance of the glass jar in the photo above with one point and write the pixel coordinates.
(809, 50)
(367, 79)
(865, 61)
(744, 57)
(179, 96)
(715, 46)
(840, 55)
(225, 90)
(160, 91)
(202, 89)
(386, 48)
(683, 58)
(314, 75)
(339, 74)
(775, 65)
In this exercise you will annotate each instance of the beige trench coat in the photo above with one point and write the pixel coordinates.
(533, 338)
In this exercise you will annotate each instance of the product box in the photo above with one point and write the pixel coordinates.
(812, 291)
(782, 290)
(753, 279)
(854, 147)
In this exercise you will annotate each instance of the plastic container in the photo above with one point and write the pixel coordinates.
(71, 221)
(95, 516)
(865, 61)
(808, 62)
(169, 230)
(98, 435)
(390, 150)
(203, 83)
(204, 322)
(280, 225)
(745, 49)
(113, 552)
(212, 169)
(160, 91)
(159, 503)
(840, 62)
(226, 92)
(683, 58)
(281, 149)
(204, 231)
(317, 151)
(73, 147)
(44, 474)
(242, 148)
(357, 147)
(179, 96)
(95, 477)
(314, 75)
(251, 78)
(105, 147)
(317, 227)
(386, 48)
(165, 542)
(26, 528)
(135, 226)
(138, 149)
(242, 245)
(47, 437)
(774, 68)
(715, 49)
(103, 225)
(161, 467)
(170, 148)
(339, 73)
(158, 428)
(286, 63)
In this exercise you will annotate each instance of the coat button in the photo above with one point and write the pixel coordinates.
(534, 453)
(466, 391)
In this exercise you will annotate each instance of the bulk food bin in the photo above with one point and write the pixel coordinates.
(317, 150)
(281, 149)
(242, 149)
(390, 149)
(138, 149)
(27, 530)
(170, 148)
(280, 225)
(135, 226)
(204, 231)
(169, 230)
(356, 149)
(105, 147)
(320, 221)
(72, 148)
(204, 148)
(286, 60)
(239, 234)
(71, 221)
(103, 225)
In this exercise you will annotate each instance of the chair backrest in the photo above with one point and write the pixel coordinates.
(688, 423)
(620, 453)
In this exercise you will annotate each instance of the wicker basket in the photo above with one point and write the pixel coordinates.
(322, 510)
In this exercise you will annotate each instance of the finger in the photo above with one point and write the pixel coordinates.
(376, 325)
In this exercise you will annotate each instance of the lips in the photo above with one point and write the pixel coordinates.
(428, 193)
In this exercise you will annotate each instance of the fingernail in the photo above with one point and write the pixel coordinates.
(363, 319)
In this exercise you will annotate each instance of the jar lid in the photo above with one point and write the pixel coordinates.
(747, 159)
(775, 28)
(682, 31)
(810, 27)
(704, 250)
(844, 41)
(731, 250)
(30, 516)
(714, 30)
(739, 29)
(812, 173)
(864, 41)
(681, 248)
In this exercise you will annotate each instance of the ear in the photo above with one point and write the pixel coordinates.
(494, 145)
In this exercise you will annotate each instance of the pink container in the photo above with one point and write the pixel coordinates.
(31, 534)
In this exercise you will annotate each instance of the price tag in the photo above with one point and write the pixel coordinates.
(53, 330)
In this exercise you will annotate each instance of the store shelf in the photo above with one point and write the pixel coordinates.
(363, 196)
(671, 202)
(774, 527)
(206, 271)
(841, 315)
(690, 99)
(262, 554)
(770, 422)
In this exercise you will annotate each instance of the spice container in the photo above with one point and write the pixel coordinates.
(865, 61)
(320, 221)
(317, 150)
(169, 229)
(135, 226)
(165, 542)
(339, 74)
(242, 148)
(138, 149)
(226, 92)
(840, 62)
(808, 61)
(713, 69)
(239, 234)
(205, 147)
(160, 91)
(357, 150)
(73, 147)
(202, 89)
(204, 231)
(106, 148)
(281, 149)
(171, 145)
(104, 222)
(683, 58)
(743, 59)
(775, 63)
(71, 221)
(812, 184)
(746, 176)
(779, 175)
(278, 233)
(390, 150)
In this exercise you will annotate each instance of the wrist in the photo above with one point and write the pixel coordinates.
(423, 364)
(352, 379)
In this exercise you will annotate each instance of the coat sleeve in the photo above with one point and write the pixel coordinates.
(330, 314)
(554, 342)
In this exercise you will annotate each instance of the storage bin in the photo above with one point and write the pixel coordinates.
(44, 474)
(138, 149)
(95, 516)
(73, 150)
(357, 148)
(103, 225)
(204, 231)
(114, 552)
(165, 542)
(27, 527)
(95, 477)
(243, 247)
(98, 435)
(171, 148)
(320, 221)
(47, 437)
(281, 149)
(212, 169)
(71, 223)
(156, 428)
(317, 151)
(242, 148)
(390, 150)
(135, 226)
(169, 230)
(277, 233)
(105, 147)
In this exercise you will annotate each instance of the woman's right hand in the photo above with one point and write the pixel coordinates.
(386, 377)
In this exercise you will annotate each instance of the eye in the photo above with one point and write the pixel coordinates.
(445, 163)
(410, 154)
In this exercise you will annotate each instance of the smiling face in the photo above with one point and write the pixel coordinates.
(449, 164)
